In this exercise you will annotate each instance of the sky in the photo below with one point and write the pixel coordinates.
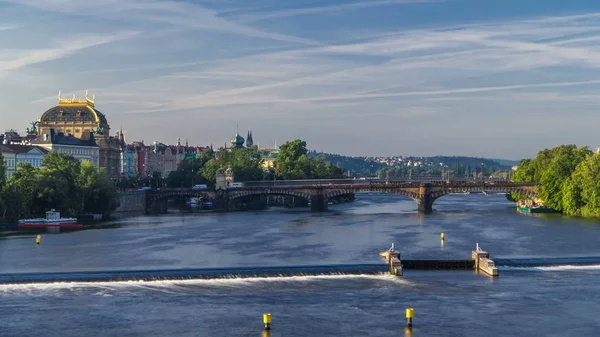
(487, 78)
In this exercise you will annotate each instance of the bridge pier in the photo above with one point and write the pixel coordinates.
(159, 207)
(318, 203)
(425, 199)
(223, 203)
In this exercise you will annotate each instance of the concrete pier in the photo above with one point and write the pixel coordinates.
(392, 258)
(480, 261)
(483, 263)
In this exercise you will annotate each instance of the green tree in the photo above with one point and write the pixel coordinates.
(156, 180)
(293, 163)
(245, 163)
(21, 193)
(554, 169)
(587, 180)
(99, 195)
(189, 171)
(63, 183)
(2, 172)
(571, 195)
(58, 182)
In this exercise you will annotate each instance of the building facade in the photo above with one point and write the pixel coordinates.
(10, 160)
(78, 118)
(81, 149)
(32, 155)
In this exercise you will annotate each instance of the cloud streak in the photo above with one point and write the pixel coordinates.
(65, 48)
(329, 9)
(192, 63)
(161, 12)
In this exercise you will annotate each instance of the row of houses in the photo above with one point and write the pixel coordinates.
(16, 153)
(136, 159)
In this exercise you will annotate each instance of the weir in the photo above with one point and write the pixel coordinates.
(480, 261)
(392, 257)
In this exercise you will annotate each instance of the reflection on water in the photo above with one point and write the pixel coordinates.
(532, 300)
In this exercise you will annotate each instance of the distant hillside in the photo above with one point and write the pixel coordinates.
(356, 165)
(451, 162)
(506, 162)
(361, 166)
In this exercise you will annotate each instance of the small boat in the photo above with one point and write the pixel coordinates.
(533, 207)
(52, 219)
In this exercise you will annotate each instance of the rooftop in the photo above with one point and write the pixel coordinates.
(62, 139)
(19, 148)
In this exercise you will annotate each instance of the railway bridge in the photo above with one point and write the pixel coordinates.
(424, 194)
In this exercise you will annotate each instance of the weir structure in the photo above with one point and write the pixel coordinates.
(318, 195)
(480, 261)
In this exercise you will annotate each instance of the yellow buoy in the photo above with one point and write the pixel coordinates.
(38, 239)
(410, 312)
(442, 236)
(267, 321)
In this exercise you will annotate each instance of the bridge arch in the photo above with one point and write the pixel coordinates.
(286, 192)
(156, 203)
(527, 191)
(382, 189)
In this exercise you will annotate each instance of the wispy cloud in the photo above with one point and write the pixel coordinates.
(9, 27)
(429, 60)
(65, 48)
(327, 9)
(162, 12)
(193, 62)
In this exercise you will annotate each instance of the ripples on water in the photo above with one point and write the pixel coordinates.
(524, 301)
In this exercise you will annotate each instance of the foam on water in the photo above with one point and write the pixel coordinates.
(172, 286)
(552, 268)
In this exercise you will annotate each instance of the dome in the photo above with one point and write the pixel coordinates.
(237, 140)
(75, 113)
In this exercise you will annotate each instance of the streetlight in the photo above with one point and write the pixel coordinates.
(482, 172)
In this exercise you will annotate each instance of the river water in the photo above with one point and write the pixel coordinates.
(551, 300)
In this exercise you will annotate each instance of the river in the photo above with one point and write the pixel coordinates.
(557, 300)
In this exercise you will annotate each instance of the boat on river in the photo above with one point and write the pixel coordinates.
(52, 220)
(530, 206)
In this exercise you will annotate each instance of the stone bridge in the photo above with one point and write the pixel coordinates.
(424, 194)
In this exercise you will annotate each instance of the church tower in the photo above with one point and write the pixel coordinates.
(249, 141)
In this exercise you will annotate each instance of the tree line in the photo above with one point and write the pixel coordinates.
(62, 182)
(569, 178)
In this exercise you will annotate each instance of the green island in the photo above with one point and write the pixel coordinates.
(568, 177)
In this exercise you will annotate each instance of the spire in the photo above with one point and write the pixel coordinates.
(186, 143)
(249, 140)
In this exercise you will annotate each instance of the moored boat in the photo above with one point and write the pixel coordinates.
(530, 206)
(52, 219)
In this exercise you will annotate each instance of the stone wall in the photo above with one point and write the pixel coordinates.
(133, 203)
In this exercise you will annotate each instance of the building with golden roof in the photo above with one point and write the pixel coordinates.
(79, 118)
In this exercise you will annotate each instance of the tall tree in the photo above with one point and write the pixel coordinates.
(2, 172)
(293, 163)
(245, 163)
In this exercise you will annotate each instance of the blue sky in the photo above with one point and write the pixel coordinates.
(493, 78)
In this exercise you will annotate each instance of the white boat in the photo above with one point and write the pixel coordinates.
(52, 217)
